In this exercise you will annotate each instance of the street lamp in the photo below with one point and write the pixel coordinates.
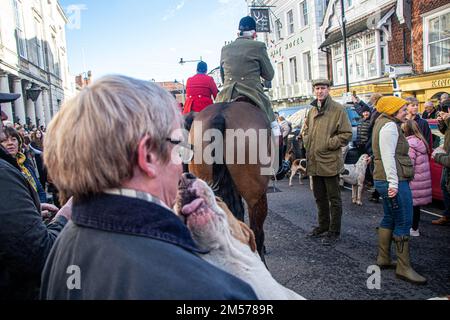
(182, 62)
(344, 35)
(33, 92)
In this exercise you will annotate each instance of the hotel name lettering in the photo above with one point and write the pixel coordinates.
(440, 83)
(287, 46)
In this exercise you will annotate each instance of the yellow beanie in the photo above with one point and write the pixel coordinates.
(390, 105)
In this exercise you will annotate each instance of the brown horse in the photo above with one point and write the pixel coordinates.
(232, 181)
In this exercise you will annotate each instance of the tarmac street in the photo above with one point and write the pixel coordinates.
(346, 270)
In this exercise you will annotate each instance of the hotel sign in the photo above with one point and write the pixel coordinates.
(262, 19)
(287, 46)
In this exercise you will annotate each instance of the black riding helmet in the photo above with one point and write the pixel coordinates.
(247, 24)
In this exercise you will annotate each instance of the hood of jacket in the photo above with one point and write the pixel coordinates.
(417, 144)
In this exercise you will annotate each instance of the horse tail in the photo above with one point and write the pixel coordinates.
(223, 184)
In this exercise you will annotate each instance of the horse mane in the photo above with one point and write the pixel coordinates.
(226, 188)
(188, 120)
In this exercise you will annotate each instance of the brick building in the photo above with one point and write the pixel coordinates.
(369, 32)
(177, 89)
(426, 49)
(397, 47)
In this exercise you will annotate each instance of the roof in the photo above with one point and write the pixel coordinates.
(355, 27)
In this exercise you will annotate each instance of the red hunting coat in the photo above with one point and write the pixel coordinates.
(199, 90)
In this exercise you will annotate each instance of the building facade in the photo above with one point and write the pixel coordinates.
(33, 59)
(427, 50)
(177, 89)
(399, 47)
(293, 47)
(369, 34)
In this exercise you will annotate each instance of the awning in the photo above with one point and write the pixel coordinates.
(358, 26)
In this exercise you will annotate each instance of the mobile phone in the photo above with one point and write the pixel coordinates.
(394, 203)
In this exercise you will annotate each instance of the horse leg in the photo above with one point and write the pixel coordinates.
(257, 216)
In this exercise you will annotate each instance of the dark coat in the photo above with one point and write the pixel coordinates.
(425, 130)
(40, 190)
(326, 132)
(373, 118)
(25, 240)
(131, 249)
(242, 64)
(363, 133)
(431, 115)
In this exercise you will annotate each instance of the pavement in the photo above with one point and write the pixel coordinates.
(341, 271)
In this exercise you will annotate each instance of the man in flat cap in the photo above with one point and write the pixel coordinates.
(242, 65)
(328, 129)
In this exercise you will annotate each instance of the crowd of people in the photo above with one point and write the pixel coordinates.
(117, 185)
(421, 141)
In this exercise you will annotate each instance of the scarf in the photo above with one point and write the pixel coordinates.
(21, 158)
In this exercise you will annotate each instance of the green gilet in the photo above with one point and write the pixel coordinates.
(405, 170)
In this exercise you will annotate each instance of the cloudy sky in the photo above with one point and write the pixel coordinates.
(147, 38)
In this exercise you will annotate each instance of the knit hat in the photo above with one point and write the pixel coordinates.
(390, 104)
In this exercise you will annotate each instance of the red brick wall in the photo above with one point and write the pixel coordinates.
(419, 8)
(396, 50)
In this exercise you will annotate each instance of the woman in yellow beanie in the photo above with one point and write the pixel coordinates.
(393, 171)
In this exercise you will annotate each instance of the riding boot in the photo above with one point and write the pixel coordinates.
(384, 249)
(404, 270)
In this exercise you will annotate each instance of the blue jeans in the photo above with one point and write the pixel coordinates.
(400, 219)
(445, 192)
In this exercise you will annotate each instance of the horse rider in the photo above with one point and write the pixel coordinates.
(199, 90)
(242, 65)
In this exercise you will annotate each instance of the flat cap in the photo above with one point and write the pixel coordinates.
(321, 82)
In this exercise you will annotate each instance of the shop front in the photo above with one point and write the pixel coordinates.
(362, 91)
(425, 87)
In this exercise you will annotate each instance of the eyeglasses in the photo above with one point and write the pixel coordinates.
(183, 149)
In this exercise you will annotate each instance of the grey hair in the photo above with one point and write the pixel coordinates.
(91, 145)
(412, 100)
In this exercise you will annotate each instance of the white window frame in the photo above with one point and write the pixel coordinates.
(278, 30)
(366, 57)
(39, 42)
(426, 19)
(349, 7)
(338, 80)
(302, 15)
(281, 71)
(307, 68)
(363, 49)
(293, 74)
(20, 29)
(289, 24)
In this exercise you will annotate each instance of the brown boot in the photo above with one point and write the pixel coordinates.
(441, 221)
(384, 249)
(404, 270)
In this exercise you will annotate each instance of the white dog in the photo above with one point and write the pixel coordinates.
(299, 166)
(231, 243)
(355, 175)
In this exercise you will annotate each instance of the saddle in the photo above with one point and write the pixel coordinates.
(244, 99)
